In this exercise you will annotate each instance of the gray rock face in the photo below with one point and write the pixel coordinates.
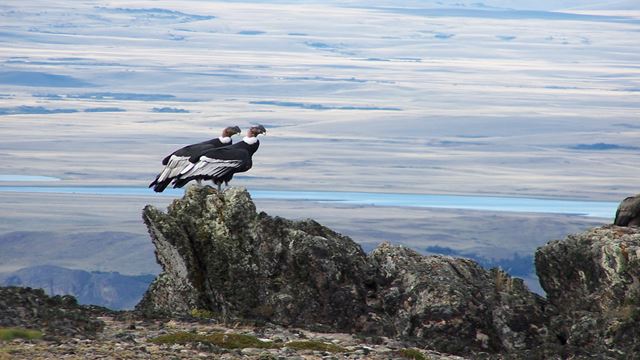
(592, 281)
(453, 304)
(219, 254)
(628, 213)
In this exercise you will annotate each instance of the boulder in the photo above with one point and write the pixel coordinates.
(220, 255)
(592, 282)
(628, 213)
(453, 304)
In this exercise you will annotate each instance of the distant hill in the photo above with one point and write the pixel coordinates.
(125, 252)
(110, 289)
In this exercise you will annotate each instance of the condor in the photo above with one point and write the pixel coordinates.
(177, 161)
(219, 165)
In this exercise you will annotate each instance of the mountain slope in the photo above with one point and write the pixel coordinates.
(109, 289)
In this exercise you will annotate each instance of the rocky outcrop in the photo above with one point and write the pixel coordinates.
(220, 255)
(56, 316)
(453, 304)
(628, 213)
(592, 282)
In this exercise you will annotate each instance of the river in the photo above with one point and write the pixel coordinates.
(600, 209)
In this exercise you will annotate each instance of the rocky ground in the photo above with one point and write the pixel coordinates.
(127, 336)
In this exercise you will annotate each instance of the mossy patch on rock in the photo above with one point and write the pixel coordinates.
(227, 341)
(315, 345)
(414, 354)
(243, 341)
(7, 334)
(203, 314)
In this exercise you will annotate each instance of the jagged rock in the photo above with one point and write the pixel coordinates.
(452, 304)
(56, 316)
(592, 281)
(628, 213)
(220, 255)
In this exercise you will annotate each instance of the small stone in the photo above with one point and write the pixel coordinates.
(251, 351)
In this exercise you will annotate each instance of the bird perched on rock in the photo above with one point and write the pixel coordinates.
(177, 161)
(628, 213)
(219, 165)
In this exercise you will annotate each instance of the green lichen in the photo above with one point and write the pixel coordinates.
(227, 341)
(412, 354)
(203, 314)
(7, 334)
(314, 345)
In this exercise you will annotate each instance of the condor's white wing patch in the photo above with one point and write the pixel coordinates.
(210, 167)
(175, 166)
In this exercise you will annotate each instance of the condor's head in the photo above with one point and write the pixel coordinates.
(254, 131)
(230, 131)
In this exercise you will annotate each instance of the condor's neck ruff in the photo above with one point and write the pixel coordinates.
(225, 139)
(250, 140)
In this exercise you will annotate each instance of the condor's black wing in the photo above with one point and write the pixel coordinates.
(215, 165)
(178, 161)
(195, 149)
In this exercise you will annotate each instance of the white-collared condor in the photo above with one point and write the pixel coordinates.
(177, 161)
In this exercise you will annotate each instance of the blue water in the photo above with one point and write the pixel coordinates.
(598, 209)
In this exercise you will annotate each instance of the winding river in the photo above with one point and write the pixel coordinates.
(600, 209)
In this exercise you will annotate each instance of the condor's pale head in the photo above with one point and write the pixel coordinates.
(254, 131)
(230, 131)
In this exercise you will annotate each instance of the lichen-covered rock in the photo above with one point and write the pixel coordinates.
(592, 281)
(57, 316)
(452, 304)
(219, 254)
(628, 213)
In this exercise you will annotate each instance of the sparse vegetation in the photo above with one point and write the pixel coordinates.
(414, 354)
(228, 341)
(241, 341)
(7, 334)
(203, 314)
(315, 345)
